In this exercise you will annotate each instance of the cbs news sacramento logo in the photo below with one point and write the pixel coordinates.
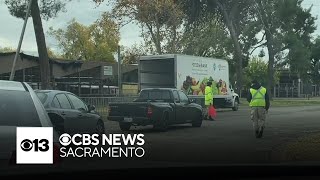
(35, 145)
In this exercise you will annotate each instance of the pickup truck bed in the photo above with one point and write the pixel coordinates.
(157, 112)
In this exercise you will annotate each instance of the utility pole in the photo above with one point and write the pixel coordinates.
(20, 41)
(119, 72)
(41, 44)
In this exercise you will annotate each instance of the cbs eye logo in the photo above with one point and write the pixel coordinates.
(65, 139)
(36, 145)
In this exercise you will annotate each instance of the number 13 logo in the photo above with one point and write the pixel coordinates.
(38, 145)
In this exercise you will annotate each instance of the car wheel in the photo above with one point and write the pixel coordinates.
(100, 129)
(162, 125)
(236, 106)
(124, 126)
(197, 122)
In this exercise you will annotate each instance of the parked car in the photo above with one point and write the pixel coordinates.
(159, 107)
(69, 113)
(20, 107)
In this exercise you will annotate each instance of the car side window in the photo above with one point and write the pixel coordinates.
(77, 103)
(176, 97)
(183, 97)
(64, 102)
(55, 103)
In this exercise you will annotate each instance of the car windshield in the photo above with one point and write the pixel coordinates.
(155, 95)
(42, 96)
(17, 109)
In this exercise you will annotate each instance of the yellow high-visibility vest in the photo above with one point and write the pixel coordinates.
(258, 97)
(208, 96)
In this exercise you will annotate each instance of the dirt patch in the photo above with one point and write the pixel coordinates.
(306, 148)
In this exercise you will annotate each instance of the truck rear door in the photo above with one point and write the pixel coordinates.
(156, 73)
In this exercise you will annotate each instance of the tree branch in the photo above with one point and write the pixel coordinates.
(264, 35)
(257, 47)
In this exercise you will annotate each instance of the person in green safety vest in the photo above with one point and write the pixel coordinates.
(259, 102)
(208, 98)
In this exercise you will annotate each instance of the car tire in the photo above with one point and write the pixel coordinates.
(100, 129)
(162, 125)
(125, 126)
(236, 105)
(197, 122)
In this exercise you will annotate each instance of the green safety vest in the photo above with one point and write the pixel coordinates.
(208, 96)
(258, 97)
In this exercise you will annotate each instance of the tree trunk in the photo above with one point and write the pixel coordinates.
(271, 63)
(237, 49)
(41, 44)
(238, 57)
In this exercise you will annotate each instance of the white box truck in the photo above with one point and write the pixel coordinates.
(190, 74)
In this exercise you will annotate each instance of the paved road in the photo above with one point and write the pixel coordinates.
(229, 139)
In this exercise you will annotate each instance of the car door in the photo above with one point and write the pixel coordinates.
(184, 101)
(179, 114)
(86, 120)
(72, 117)
(56, 108)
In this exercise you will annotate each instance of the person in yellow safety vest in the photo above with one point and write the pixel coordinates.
(259, 102)
(208, 98)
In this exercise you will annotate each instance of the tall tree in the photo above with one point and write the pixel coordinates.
(315, 62)
(46, 9)
(234, 14)
(208, 38)
(286, 27)
(160, 20)
(98, 41)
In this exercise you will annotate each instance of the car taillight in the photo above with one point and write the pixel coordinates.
(56, 157)
(149, 112)
(13, 158)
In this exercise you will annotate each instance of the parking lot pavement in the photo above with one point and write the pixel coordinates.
(228, 140)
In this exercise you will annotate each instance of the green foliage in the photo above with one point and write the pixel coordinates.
(208, 38)
(7, 50)
(99, 41)
(52, 54)
(160, 20)
(258, 69)
(48, 8)
(131, 55)
(315, 62)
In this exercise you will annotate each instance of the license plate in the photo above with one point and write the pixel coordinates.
(127, 119)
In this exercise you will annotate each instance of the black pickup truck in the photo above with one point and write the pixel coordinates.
(159, 107)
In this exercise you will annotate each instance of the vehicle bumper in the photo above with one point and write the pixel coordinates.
(140, 121)
(223, 102)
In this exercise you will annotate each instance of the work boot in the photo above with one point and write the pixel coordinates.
(261, 132)
(257, 134)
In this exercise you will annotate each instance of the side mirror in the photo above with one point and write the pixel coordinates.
(91, 108)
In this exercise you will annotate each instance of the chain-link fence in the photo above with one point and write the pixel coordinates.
(101, 103)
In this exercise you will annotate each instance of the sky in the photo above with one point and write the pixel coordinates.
(85, 12)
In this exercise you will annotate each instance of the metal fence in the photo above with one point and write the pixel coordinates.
(101, 103)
